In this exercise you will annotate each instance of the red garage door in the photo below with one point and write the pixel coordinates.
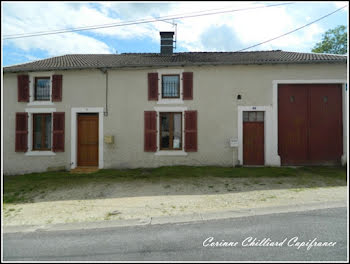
(310, 124)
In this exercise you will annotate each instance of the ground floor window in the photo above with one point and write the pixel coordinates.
(170, 131)
(42, 131)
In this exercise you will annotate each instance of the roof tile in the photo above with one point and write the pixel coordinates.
(87, 61)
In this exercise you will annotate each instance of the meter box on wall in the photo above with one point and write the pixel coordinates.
(108, 139)
(233, 142)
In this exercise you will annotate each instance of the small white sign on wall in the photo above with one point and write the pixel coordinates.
(233, 142)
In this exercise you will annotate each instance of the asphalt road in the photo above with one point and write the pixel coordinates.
(184, 242)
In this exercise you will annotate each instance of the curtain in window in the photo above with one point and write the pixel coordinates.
(42, 129)
(42, 90)
(170, 86)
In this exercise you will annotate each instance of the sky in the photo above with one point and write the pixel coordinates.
(229, 31)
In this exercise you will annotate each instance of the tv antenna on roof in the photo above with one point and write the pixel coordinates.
(175, 26)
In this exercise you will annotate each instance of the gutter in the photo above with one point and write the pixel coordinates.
(105, 71)
(177, 64)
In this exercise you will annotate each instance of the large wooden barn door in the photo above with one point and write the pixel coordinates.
(309, 124)
(292, 124)
(326, 126)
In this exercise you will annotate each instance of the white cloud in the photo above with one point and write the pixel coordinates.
(31, 58)
(249, 27)
(35, 17)
(63, 44)
(339, 4)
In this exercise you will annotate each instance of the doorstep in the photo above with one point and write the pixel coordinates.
(87, 169)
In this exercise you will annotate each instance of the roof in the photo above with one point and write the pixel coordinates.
(90, 61)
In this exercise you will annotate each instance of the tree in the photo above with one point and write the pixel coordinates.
(334, 41)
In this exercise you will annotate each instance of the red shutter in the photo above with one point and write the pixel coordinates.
(190, 131)
(150, 141)
(58, 132)
(21, 132)
(187, 80)
(23, 88)
(57, 88)
(153, 86)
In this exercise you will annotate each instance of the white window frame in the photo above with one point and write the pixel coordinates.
(162, 100)
(172, 109)
(32, 77)
(30, 112)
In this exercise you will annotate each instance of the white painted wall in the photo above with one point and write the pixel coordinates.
(215, 99)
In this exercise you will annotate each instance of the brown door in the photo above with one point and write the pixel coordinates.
(253, 138)
(292, 124)
(88, 140)
(309, 124)
(326, 126)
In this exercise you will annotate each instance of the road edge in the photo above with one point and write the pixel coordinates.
(176, 219)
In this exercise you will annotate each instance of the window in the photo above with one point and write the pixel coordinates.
(253, 116)
(170, 131)
(170, 86)
(42, 89)
(42, 131)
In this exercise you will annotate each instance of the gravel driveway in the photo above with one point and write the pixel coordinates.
(141, 198)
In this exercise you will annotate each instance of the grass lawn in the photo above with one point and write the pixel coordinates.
(23, 188)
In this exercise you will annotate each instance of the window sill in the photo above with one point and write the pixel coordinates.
(170, 101)
(40, 153)
(170, 153)
(40, 103)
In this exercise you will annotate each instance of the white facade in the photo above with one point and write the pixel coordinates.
(215, 90)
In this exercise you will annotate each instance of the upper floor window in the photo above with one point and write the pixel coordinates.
(170, 86)
(42, 89)
(36, 90)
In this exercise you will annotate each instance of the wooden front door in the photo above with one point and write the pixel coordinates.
(88, 140)
(253, 138)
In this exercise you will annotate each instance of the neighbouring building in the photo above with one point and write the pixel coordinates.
(135, 110)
